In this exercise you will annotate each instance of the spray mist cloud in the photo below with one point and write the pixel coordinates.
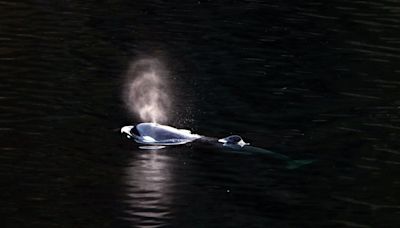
(146, 91)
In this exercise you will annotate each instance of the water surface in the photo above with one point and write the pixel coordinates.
(310, 79)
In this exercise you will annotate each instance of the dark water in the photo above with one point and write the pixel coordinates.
(309, 79)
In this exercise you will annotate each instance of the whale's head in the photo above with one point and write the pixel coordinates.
(233, 140)
(157, 134)
(129, 131)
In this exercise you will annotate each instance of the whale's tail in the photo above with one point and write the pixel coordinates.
(294, 164)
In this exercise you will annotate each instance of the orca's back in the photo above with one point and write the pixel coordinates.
(162, 133)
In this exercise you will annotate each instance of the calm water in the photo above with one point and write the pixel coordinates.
(309, 79)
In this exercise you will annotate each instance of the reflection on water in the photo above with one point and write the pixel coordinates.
(149, 181)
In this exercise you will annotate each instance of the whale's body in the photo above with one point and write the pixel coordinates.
(157, 136)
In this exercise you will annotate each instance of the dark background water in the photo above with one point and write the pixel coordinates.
(309, 79)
